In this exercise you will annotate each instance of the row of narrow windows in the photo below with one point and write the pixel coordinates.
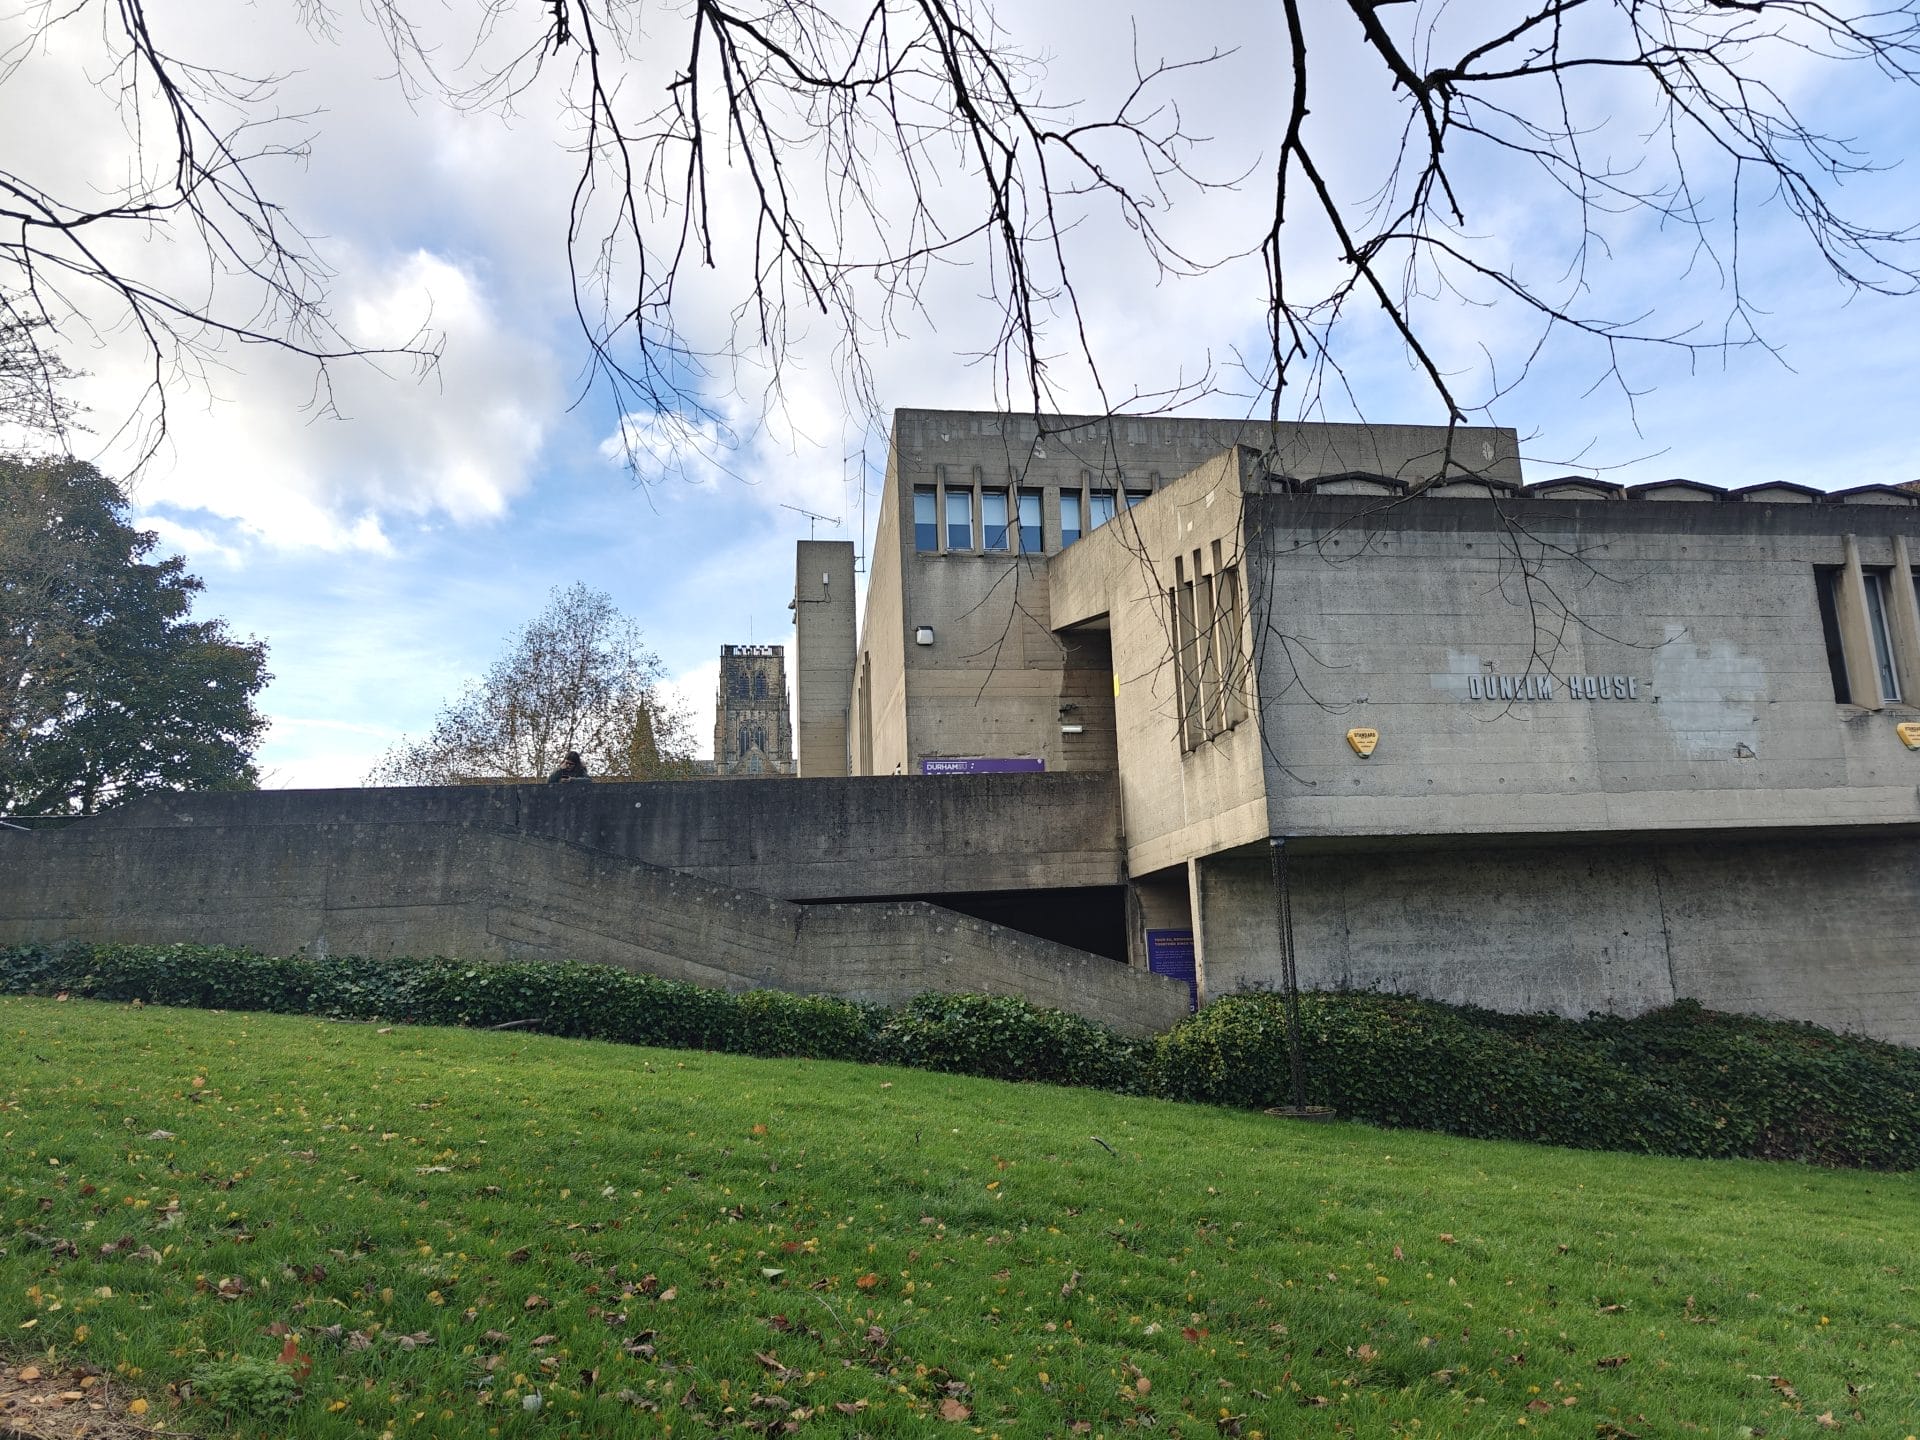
(1008, 520)
(1881, 660)
(1207, 618)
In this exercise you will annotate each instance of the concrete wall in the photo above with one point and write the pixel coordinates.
(878, 742)
(792, 839)
(823, 659)
(1827, 932)
(999, 671)
(1383, 614)
(1176, 802)
(397, 889)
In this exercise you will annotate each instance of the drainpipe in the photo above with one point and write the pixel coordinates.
(1289, 974)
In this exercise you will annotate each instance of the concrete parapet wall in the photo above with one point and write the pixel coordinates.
(797, 840)
(384, 889)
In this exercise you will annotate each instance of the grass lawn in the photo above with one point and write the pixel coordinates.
(435, 1226)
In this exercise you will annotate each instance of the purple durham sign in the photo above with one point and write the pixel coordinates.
(978, 765)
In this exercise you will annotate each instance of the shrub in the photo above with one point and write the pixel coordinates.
(1005, 1038)
(1679, 1081)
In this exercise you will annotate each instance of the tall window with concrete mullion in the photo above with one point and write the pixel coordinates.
(959, 518)
(1229, 651)
(1881, 633)
(1186, 666)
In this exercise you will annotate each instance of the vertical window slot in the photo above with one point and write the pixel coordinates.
(926, 518)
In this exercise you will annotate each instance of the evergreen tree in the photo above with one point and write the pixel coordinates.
(108, 689)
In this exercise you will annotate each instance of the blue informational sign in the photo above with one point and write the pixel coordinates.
(984, 765)
(1170, 953)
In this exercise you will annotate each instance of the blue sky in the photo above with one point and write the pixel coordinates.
(385, 554)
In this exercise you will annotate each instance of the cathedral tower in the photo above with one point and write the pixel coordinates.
(752, 730)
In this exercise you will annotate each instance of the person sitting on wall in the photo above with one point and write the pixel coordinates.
(571, 768)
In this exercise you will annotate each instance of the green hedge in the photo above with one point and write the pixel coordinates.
(1680, 1081)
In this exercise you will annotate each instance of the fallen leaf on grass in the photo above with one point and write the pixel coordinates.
(1826, 1421)
(290, 1356)
(537, 1302)
(1611, 1362)
(541, 1341)
(953, 1411)
(419, 1340)
(849, 1407)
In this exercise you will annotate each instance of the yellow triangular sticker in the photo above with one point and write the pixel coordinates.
(1363, 741)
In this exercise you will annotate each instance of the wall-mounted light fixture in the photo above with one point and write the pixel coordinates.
(1073, 729)
(923, 634)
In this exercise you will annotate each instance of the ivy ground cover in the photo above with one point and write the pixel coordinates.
(278, 1226)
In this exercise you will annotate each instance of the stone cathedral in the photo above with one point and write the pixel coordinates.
(752, 728)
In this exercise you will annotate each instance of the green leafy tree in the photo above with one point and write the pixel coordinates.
(576, 677)
(108, 690)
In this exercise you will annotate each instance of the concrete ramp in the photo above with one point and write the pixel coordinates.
(423, 889)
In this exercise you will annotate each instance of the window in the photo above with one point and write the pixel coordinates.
(1134, 497)
(1032, 539)
(1071, 528)
(1881, 634)
(959, 519)
(926, 521)
(1827, 588)
(1206, 616)
(993, 514)
(1101, 505)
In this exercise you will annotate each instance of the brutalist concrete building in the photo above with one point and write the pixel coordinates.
(1561, 746)
(1134, 706)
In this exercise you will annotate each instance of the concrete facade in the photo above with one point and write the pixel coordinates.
(824, 635)
(1556, 746)
(1136, 690)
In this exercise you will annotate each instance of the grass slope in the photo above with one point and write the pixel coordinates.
(445, 1223)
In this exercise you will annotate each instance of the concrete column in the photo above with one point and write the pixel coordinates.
(1856, 634)
(823, 627)
(1903, 618)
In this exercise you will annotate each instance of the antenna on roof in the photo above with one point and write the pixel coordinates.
(813, 519)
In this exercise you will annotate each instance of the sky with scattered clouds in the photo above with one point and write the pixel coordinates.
(386, 546)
